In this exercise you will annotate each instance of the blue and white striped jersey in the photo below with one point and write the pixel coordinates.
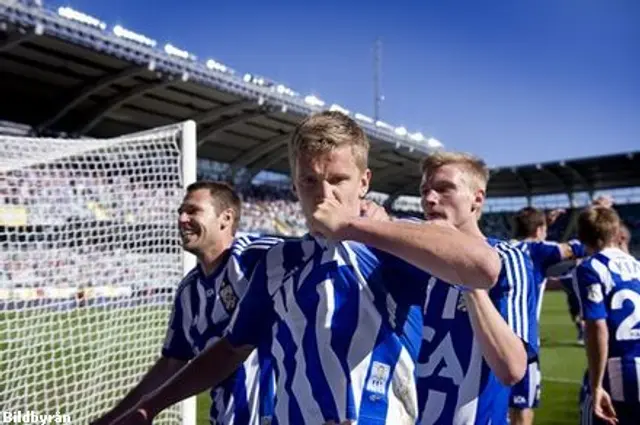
(544, 254)
(202, 311)
(608, 284)
(346, 322)
(455, 384)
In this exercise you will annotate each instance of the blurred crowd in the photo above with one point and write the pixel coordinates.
(80, 197)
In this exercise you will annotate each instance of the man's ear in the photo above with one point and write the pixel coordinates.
(227, 218)
(365, 182)
(478, 201)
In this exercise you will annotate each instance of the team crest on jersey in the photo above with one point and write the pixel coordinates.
(594, 293)
(377, 382)
(228, 296)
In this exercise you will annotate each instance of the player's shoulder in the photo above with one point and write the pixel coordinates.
(253, 243)
(517, 263)
(288, 254)
(188, 280)
(507, 248)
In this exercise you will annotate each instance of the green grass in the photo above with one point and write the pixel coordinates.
(563, 363)
(43, 355)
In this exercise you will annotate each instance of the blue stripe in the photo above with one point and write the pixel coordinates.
(289, 363)
(265, 389)
(241, 408)
(308, 301)
(345, 322)
(387, 351)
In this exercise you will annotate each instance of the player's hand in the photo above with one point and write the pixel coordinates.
(373, 211)
(553, 215)
(331, 218)
(133, 417)
(605, 201)
(603, 407)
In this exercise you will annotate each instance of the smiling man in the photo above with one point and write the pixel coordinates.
(205, 300)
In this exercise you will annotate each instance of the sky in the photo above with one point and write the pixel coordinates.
(515, 82)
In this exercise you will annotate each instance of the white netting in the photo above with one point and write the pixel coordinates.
(89, 264)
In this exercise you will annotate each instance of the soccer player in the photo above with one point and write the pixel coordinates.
(346, 318)
(608, 284)
(624, 239)
(530, 232)
(475, 342)
(205, 300)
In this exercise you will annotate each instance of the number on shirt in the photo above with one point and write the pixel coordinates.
(626, 329)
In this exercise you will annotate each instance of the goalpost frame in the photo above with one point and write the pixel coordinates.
(189, 175)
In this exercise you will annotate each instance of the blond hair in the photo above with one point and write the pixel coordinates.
(325, 131)
(473, 166)
(598, 227)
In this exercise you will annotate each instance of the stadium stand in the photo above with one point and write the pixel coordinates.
(101, 81)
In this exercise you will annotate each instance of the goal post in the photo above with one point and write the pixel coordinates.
(90, 261)
(189, 172)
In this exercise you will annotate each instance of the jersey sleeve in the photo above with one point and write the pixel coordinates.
(176, 345)
(546, 254)
(410, 281)
(590, 292)
(578, 248)
(517, 297)
(253, 318)
(254, 252)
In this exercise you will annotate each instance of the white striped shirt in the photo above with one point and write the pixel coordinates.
(346, 321)
(608, 284)
(455, 383)
(201, 313)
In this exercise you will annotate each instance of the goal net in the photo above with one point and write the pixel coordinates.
(89, 265)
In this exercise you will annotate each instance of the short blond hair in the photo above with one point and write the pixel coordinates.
(325, 131)
(598, 227)
(473, 166)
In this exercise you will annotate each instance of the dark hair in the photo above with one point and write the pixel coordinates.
(527, 221)
(224, 197)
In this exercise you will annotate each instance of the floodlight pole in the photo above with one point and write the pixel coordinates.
(377, 60)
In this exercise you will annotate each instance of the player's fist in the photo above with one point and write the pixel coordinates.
(605, 201)
(329, 219)
(133, 417)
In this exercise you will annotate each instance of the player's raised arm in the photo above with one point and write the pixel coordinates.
(441, 250)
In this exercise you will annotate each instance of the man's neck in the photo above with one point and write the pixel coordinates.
(471, 228)
(210, 260)
(592, 250)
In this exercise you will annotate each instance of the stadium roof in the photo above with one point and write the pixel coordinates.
(67, 72)
(570, 176)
